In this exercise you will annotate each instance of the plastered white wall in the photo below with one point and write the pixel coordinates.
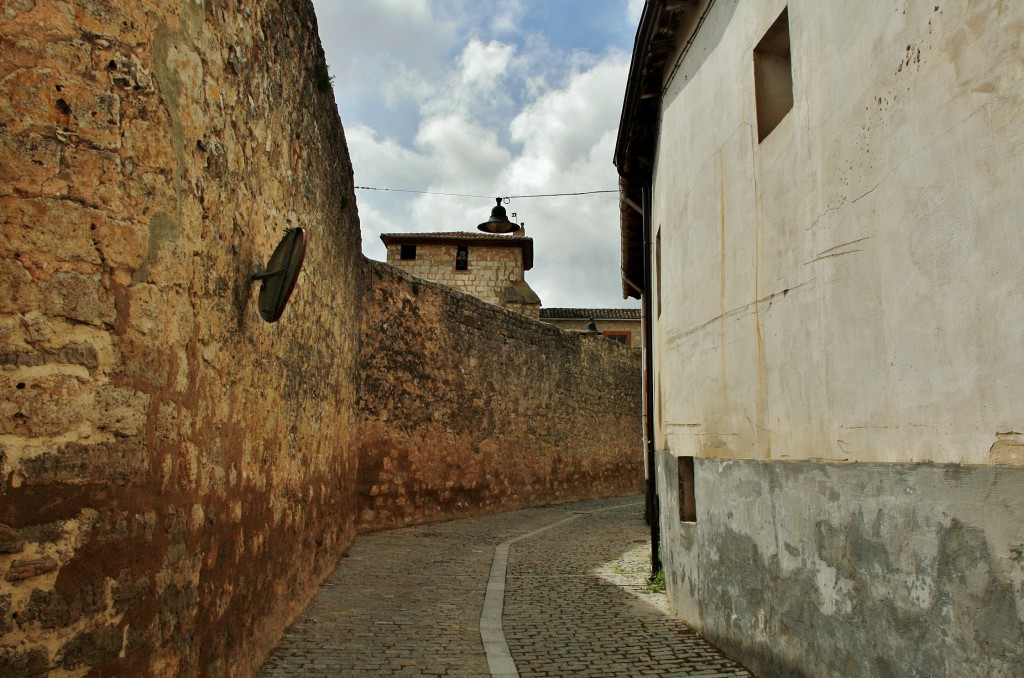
(850, 288)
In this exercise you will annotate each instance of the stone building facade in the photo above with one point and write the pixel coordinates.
(177, 476)
(821, 208)
(617, 324)
(488, 266)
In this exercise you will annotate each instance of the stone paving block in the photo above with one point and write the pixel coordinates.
(575, 603)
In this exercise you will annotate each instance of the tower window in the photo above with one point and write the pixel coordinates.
(773, 77)
(408, 252)
(462, 258)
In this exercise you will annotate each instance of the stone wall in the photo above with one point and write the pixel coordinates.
(175, 474)
(469, 408)
(629, 330)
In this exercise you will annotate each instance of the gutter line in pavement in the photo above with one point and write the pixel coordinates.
(499, 657)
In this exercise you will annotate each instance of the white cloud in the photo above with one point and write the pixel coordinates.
(506, 17)
(460, 150)
(483, 65)
(379, 159)
(367, 42)
(454, 96)
(560, 129)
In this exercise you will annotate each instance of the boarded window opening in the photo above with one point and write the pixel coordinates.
(687, 500)
(408, 252)
(773, 77)
(462, 258)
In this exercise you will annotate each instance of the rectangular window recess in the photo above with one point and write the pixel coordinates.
(462, 258)
(687, 498)
(408, 252)
(773, 77)
(657, 270)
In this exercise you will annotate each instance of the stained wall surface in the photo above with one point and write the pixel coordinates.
(842, 289)
(804, 569)
(469, 408)
(175, 474)
(838, 343)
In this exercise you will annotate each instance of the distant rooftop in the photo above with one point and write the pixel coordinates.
(588, 313)
(465, 238)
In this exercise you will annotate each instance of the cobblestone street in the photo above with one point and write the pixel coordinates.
(558, 591)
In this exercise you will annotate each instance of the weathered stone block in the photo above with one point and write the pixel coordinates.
(41, 99)
(46, 405)
(72, 354)
(146, 141)
(46, 533)
(121, 411)
(53, 610)
(130, 590)
(20, 51)
(146, 363)
(119, 462)
(5, 614)
(78, 296)
(56, 228)
(23, 293)
(10, 540)
(146, 304)
(91, 648)
(27, 164)
(31, 663)
(27, 568)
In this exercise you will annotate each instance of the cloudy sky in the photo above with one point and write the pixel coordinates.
(496, 98)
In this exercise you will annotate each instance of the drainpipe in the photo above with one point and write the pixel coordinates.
(653, 508)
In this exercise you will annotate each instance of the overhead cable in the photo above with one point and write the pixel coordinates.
(467, 195)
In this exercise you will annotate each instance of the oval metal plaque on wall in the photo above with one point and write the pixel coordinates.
(281, 274)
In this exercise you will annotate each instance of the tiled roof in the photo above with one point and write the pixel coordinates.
(588, 313)
(465, 238)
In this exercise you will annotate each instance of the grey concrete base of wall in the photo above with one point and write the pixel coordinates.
(815, 569)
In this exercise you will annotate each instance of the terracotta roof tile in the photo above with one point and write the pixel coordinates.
(588, 313)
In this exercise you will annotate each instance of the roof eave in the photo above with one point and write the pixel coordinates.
(656, 40)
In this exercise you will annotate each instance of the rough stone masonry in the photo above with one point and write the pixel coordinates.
(470, 408)
(176, 475)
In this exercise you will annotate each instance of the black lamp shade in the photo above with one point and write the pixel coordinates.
(498, 223)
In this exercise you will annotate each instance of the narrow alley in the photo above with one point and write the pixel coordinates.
(556, 591)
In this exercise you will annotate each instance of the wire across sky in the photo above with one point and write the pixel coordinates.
(467, 195)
